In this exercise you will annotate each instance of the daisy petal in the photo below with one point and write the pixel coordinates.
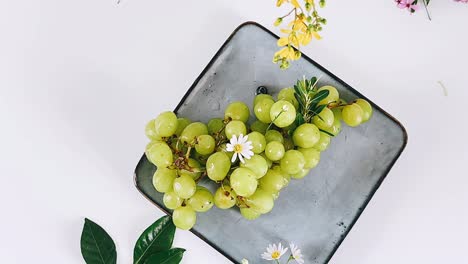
(246, 138)
(233, 140)
(240, 139)
(229, 147)
(241, 158)
(234, 157)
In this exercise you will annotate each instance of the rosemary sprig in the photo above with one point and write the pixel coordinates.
(308, 96)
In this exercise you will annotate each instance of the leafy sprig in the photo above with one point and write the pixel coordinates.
(308, 97)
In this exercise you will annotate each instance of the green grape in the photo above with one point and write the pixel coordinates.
(202, 200)
(160, 154)
(269, 162)
(366, 109)
(272, 182)
(274, 151)
(258, 142)
(286, 177)
(352, 115)
(184, 217)
(325, 120)
(182, 123)
(171, 200)
(249, 213)
(163, 179)
(288, 144)
(323, 142)
(259, 127)
(237, 111)
(287, 94)
(225, 197)
(261, 201)
(306, 135)
(217, 166)
(184, 186)
(165, 124)
(223, 148)
(333, 95)
(257, 164)
(151, 144)
(260, 97)
(337, 112)
(262, 110)
(192, 131)
(235, 128)
(301, 174)
(273, 135)
(205, 144)
(194, 171)
(335, 129)
(312, 157)
(215, 125)
(243, 181)
(282, 113)
(292, 162)
(150, 131)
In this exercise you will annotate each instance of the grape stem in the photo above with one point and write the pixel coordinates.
(219, 140)
(187, 155)
(203, 175)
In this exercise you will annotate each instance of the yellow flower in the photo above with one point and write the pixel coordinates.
(293, 2)
(282, 53)
(280, 2)
(282, 42)
(316, 35)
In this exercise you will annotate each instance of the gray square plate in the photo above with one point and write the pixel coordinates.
(316, 212)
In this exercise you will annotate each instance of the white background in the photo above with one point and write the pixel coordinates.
(79, 80)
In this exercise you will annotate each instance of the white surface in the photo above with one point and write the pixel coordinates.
(79, 80)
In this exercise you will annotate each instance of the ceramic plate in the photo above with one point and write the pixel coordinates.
(317, 212)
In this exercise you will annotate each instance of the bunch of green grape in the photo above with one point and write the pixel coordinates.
(186, 152)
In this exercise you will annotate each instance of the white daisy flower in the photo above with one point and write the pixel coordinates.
(244, 261)
(241, 148)
(296, 254)
(274, 252)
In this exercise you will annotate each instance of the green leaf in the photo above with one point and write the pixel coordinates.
(326, 132)
(313, 83)
(299, 119)
(97, 247)
(171, 256)
(320, 96)
(298, 90)
(313, 80)
(317, 110)
(157, 237)
(299, 99)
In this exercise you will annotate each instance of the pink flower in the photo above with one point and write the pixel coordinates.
(411, 5)
(462, 1)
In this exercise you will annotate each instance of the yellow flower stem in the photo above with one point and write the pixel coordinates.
(288, 13)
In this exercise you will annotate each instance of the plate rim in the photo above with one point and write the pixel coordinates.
(333, 76)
